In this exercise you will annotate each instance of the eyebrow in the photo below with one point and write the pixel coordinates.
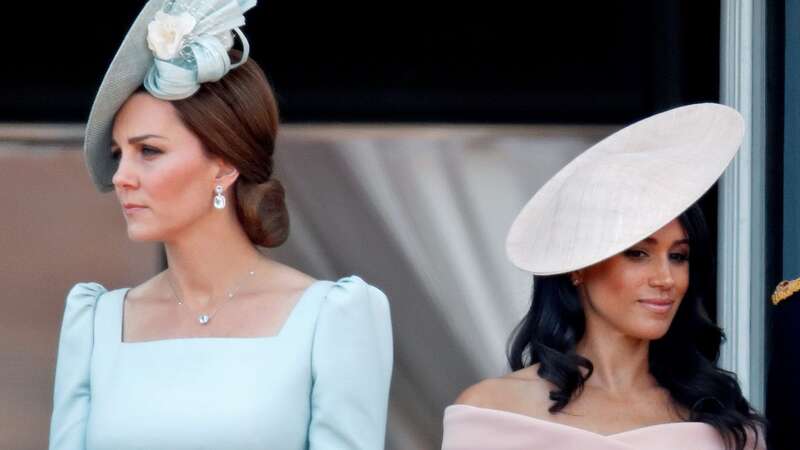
(137, 139)
(652, 240)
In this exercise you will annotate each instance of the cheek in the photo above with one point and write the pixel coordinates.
(612, 298)
(178, 190)
(682, 280)
(617, 285)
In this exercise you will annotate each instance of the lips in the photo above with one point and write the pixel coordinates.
(132, 208)
(657, 305)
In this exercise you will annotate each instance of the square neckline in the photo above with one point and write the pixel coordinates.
(121, 324)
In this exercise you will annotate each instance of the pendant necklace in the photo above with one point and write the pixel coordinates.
(202, 318)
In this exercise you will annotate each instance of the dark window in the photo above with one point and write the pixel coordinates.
(576, 62)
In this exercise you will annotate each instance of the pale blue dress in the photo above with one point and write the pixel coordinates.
(321, 383)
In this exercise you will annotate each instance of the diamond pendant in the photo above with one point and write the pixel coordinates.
(203, 319)
(219, 201)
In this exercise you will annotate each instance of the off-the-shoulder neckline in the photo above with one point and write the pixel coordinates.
(205, 339)
(543, 422)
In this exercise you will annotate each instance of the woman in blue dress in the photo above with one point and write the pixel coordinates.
(225, 349)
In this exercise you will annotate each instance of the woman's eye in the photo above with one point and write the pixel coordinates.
(116, 154)
(150, 151)
(679, 257)
(635, 254)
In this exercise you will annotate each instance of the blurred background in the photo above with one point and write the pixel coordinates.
(413, 133)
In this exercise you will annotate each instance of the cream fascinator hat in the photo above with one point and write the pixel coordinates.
(624, 188)
(172, 48)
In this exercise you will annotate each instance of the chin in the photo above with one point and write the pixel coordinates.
(138, 233)
(651, 331)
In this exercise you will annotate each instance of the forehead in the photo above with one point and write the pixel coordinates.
(145, 114)
(668, 234)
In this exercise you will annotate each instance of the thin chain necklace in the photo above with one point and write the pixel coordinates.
(204, 319)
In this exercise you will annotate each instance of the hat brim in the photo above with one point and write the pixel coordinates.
(124, 76)
(624, 188)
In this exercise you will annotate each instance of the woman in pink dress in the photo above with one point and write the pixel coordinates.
(617, 351)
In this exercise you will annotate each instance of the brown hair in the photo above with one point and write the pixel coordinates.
(236, 118)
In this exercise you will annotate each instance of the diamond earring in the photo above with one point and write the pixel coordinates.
(219, 199)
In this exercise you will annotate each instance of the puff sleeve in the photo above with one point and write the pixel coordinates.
(351, 368)
(71, 397)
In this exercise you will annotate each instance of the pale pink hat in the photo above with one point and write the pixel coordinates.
(624, 188)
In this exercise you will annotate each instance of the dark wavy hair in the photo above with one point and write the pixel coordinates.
(684, 361)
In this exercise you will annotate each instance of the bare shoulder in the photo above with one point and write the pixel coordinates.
(521, 392)
(285, 278)
(484, 393)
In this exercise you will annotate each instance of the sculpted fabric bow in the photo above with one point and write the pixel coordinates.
(190, 40)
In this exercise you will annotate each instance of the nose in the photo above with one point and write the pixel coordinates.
(125, 176)
(662, 275)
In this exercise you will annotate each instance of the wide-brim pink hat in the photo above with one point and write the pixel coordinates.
(624, 188)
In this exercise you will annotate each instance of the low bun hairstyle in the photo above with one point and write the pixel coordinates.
(263, 213)
(236, 119)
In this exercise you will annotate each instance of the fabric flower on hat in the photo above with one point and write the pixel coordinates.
(166, 33)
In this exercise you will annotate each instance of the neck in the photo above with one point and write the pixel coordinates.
(209, 258)
(620, 362)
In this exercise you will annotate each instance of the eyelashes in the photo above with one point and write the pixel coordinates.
(635, 254)
(150, 151)
(146, 151)
(681, 257)
(638, 255)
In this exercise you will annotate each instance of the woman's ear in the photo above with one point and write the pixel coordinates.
(226, 174)
(576, 277)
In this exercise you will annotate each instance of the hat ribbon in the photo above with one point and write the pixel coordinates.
(204, 57)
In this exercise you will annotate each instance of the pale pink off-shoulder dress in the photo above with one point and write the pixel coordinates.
(472, 428)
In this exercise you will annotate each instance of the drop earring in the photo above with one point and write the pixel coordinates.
(219, 199)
